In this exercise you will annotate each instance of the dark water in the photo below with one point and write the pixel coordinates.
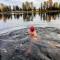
(15, 43)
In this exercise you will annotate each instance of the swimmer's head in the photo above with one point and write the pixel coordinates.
(32, 28)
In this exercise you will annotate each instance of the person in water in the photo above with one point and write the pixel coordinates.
(32, 32)
(35, 38)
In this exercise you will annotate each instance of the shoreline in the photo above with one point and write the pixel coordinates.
(21, 12)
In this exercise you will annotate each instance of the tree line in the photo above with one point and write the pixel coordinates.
(27, 6)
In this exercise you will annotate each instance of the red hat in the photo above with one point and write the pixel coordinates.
(32, 28)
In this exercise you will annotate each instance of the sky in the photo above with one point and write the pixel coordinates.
(19, 2)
